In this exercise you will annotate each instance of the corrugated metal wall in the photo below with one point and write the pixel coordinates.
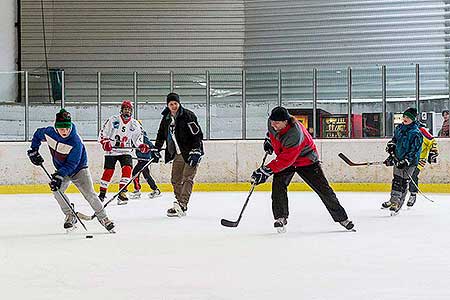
(331, 35)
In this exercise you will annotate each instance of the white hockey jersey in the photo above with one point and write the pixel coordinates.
(121, 134)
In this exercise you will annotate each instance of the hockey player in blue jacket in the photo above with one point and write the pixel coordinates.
(70, 160)
(404, 153)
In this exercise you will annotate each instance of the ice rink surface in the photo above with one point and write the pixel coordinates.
(155, 257)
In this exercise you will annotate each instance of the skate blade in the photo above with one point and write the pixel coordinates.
(71, 229)
(394, 213)
(153, 197)
(179, 210)
(281, 229)
(122, 202)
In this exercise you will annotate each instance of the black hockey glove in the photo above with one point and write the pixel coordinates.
(56, 182)
(194, 158)
(261, 175)
(268, 146)
(389, 162)
(155, 155)
(432, 156)
(390, 147)
(401, 164)
(35, 157)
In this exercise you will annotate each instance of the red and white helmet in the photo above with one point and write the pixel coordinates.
(126, 104)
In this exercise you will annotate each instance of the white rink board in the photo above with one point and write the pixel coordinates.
(155, 257)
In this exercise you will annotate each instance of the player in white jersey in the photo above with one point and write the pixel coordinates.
(120, 133)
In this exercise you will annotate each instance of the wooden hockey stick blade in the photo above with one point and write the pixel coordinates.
(84, 217)
(228, 223)
(353, 164)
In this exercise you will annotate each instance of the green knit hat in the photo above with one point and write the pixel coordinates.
(411, 113)
(63, 119)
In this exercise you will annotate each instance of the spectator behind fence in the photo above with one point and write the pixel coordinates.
(444, 132)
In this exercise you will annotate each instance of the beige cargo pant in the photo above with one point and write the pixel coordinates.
(182, 180)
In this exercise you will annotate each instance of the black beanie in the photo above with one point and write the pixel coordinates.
(63, 119)
(279, 113)
(411, 113)
(172, 97)
(445, 111)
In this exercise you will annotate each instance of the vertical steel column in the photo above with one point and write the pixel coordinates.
(63, 89)
(244, 105)
(383, 101)
(99, 102)
(349, 99)
(418, 88)
(27, 110)
(135, 98)
(314, 102)
(171, 81)
(208, 106)
(279, 88)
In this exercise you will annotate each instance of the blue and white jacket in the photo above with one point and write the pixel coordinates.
(69, 154)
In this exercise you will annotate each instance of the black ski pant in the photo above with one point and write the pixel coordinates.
(414, 183)
(314, 177)
(146, 172)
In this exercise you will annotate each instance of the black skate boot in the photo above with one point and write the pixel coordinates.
(108, 224)
(280, 225)
(395, 208)
(178, 210)
(386, 204)
(102, 196)
(154, 194)
(411, 200)
(69, 222)
(135, 195)
(347, 224)
(122, 199)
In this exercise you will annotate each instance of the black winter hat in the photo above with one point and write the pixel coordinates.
(63, 119)
(411, 113)
(445, 111)
(172, 97)
(279, 113)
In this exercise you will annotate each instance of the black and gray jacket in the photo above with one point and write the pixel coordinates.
(188, 134)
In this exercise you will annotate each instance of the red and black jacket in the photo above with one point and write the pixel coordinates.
(293, 146)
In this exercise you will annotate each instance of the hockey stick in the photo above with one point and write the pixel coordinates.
(420, 192)
(228, 223)
(65, 198)
(354, 164)
(88, 218)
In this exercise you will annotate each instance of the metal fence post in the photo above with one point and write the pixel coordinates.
(349, 99)
(171, 81)
(244, 105)
(279, 88)
(383, 101)
(418, 88)
(63, 89)
(314, 102)
(99, 102)
(135, 98)
(208, 106)
(27, 110)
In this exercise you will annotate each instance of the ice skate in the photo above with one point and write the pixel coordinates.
(135, 195)
(411, 200)
(122, 199)
(69, 223)
(386, 204)
(177, 210)
(108, 224)
(102, 196)
(154, 194)
(280, 225)
(394, 209)
(347, 224)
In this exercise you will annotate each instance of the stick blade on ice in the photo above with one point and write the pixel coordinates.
(228, 223)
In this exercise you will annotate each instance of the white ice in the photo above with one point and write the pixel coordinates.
(155, 257)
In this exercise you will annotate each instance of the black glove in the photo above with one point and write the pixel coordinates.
(390, 147)
(155, 155)
(389, 162)
(268, 146)
(401, 164)
(194, 158)
(432, 157)
(56, 182)
(261, 175)
(35, 157)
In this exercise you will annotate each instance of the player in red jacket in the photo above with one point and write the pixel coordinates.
(295, 153)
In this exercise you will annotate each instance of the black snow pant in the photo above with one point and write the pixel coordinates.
(414, 183)
(314, 177)
(151, 182)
